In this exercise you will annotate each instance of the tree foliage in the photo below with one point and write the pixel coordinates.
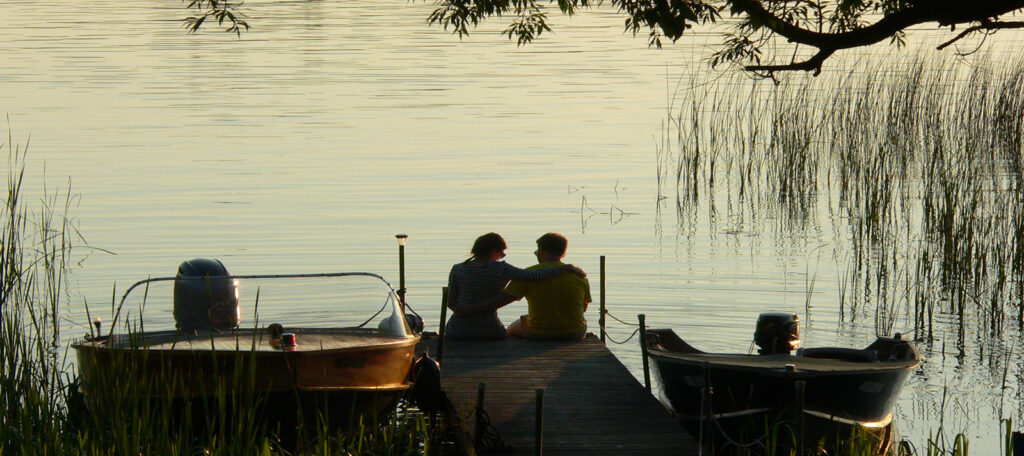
(222, 11)
(823, 26)
(818, 27)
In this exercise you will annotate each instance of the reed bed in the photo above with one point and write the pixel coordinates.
(920, 162)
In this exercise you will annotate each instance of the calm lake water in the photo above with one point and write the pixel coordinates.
(306, 144)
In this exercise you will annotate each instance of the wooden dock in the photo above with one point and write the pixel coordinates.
(591, 403)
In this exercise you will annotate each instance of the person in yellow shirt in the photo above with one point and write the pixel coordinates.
(556, 306)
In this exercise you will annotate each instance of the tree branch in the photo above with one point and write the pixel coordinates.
(945, 12)
(985, 25)
(811, 64)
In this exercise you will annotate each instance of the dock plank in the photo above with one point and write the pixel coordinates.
(592, 404)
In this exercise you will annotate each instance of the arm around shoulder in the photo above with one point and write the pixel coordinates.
(492, 304)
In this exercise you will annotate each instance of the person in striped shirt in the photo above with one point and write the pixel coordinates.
(482, 277)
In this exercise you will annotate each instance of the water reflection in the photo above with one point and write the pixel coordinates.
(303, 145)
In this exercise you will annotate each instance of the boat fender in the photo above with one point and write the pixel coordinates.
(274, 330)
(426, 387)
(415, 322)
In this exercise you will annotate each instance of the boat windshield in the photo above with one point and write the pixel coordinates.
(322, 300)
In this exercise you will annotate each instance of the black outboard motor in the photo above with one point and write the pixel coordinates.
(777, 333)
(204, 303)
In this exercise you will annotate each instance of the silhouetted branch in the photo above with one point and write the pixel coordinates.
(811, 64)
(985, 25)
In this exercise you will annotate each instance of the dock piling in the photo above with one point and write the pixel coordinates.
(604, 308)
(643, 351)
(479, 427)
(441, 324)
(538, 439)
(801, 387)
(401, 268)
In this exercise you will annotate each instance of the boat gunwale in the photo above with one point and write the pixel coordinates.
(849, 367)
(387, 344)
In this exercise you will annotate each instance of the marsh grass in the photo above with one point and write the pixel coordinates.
(921, 163)
(45, 411)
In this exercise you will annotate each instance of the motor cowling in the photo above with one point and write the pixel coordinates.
(204, 298)
(777, 333)
(426, 387)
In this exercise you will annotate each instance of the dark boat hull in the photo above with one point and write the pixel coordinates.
(750, 396)
(865, 397)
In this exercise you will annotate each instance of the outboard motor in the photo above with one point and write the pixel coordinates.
(426, 387)
(777, 333)
(204, 303)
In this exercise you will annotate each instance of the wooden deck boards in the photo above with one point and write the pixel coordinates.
(592, 404)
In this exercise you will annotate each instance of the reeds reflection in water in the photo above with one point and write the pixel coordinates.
(922, 164)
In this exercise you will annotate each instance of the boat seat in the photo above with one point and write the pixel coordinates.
(844, 354)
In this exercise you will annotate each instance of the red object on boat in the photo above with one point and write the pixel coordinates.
(288, 342)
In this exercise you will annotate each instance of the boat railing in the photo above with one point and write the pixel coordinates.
(150, 280)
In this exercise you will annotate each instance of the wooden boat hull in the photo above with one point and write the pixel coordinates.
(356, 376)
(750, 394)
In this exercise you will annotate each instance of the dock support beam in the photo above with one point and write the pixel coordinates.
(604, 308)
(401, 268)
(538, 440)
(479, 426)
(801, 386)
(643, 351)
(441, 324)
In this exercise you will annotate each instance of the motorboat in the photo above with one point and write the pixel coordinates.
(350, 371)
(809, 398)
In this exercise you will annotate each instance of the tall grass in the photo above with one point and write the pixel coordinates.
(34, 251)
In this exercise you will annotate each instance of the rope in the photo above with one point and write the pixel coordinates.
(606, 312)
(490, 439)
(609, 337)
(721, 432)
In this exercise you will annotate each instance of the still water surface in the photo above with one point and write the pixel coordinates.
(307, 143)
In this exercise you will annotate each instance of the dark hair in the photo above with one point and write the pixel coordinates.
(553, 243)
(486, 244)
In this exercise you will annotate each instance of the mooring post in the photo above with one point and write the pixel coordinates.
(643, 351)
(538, 433)
(604, 309)
(705, 419)
(440, 325)
(479, 427)
(707, 412)
(401, 268)
(801, 386)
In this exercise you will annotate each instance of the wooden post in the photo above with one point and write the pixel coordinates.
(440, 326)
(538, 439)
(643, 351)
(401, 269)
(800, 388)
(604, 309)
(706, 420)
(478, 428)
